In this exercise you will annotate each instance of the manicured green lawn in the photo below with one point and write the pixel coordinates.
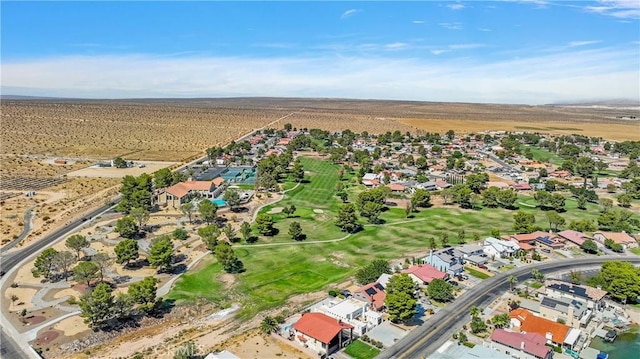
(475, 273)
(360, 350)
(544, 155)
(275, 273)
(536, 285)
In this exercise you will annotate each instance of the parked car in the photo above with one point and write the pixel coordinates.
(482, 266)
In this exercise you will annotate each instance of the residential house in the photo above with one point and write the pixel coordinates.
(521, 345)
(225, 354)
(544, 238)
(622, 238)
(177, 194)
(321, 333)
(371, 180)
(499, 248)
(425, 273)
(500, 185)
(373, 294)
(442, 184)
(396, 187)
(559, 334)
(574, 237)
(429, 186)
(560, 174)
(522, 186)
(573, 312)
(383, 279)
(473, 253)
(594, 297)
(352, 311)
(447, 260)
(482, 352)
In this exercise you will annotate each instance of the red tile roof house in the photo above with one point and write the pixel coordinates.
(622, 238)
(559, 334)
(372, 293)
(526, 345)
(177, 194)
(425, 273)
(321, 333)
(574, 237)
(544, 238)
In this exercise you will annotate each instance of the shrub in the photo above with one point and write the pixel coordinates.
(333, 293)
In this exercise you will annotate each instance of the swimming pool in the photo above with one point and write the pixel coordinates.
(219, 202)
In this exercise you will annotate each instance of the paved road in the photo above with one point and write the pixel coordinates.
(426, 339)
(28, 224)
(502, 163)
(10, 260)
(8, 348)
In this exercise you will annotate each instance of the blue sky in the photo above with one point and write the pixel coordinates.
(532, 52)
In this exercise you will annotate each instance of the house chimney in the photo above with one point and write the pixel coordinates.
(521, 345)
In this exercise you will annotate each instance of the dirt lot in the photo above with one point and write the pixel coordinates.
(112, 172)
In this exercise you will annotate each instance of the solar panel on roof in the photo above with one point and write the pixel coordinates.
(370, 291)
(545, 240)
(379, 286)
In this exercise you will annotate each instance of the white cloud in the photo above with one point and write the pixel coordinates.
(417, 22)
(451, 25)
(484, 29)
(568, 75)
(439, 52)
(349, 13)
(396, 46)
(583, 43)
(625, 9)
(456, 6)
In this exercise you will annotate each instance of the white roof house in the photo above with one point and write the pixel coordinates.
(348, 309)
(222, 355)
(498, 247)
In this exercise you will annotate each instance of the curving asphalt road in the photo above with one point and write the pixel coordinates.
(28, 224)
(426, 339)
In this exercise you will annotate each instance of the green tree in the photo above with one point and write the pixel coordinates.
(126, 251)
(44, 264)
(163, 178)
(537, 275)
(227, 257)
(122, 306)
(161, 253)
(268, 325)
(461, 235)
(624, 200)
(97, 305)
(512, 280)
(187, 209)
(584, 167)
(501, 320)
(477, 181)
(208, 211)
(118, 162)
(474, 312)
(444, 238)
(85, 272)
(440, 290)
(209, 235)
(507, 198)
(371, 211)
(298, 171)
(478, 325)
(343, 196)
(606, 203)
(229, 232)
(589, 246)
(103, 261)
(401, 300)
(264, 222)
(180, 233)
(523, 222)
(141, 216)
(289, 211)
(490, 197)
(346, 218)
(295, 231)
(495, 232)
(245, 230)
(144, 292)
(232, 197)
(555, 220)
(371, 272)
(77, 242)
(621, 279)
(62, 261)
(126, 227)
(421, 198)
(575, 276)
(584, 225)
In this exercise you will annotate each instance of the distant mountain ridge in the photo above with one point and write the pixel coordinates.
(612, 103)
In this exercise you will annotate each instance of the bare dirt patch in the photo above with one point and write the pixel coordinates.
(46, 337)
(111, 172)
(71, 326)
(254, 345)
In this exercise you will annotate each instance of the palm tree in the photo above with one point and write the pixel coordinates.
(575, 277)
(474, 311)
(268, 325)
(537, 275)
(512, 280)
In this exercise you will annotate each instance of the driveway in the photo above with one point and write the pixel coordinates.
(387, 333)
